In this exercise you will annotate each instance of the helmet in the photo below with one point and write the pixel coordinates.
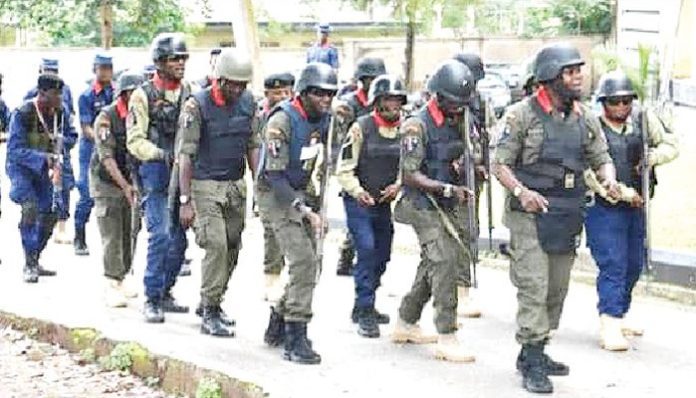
(233, 64)
(453, 81)
(323, 27)
(551, 60)
(473, 62)
(129, 80)
(385, 85)
(276, 80)
(370, 67)
(317, 74)
(103, 60)
(49, 64)
(615, 84)
(168, 44)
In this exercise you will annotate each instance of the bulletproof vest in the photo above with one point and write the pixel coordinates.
(298, 171)
(557, 175)
(443, 147)
(358, 109)
(37, 137)
(378, 164)
(225, 132)
(117, 128)
(164, 115)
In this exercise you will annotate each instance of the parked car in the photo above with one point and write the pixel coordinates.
(494, 90)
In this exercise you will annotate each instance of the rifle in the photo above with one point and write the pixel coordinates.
(468, 163)
(173, 193)
(57, 205)
(645, 191)
(324, 197)
(486, 155)
(136, 216)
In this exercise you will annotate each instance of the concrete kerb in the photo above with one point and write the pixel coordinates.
(174, 376)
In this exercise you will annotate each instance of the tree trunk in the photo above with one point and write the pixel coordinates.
(410, 43)
(106, 11)
(246, 37)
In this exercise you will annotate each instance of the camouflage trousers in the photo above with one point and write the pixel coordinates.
(541, 279)
(442, 265)
(220, 208)
(114, 221)
(273, 261)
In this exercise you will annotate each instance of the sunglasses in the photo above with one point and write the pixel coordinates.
(177, 58)
(619, 100)
(321, 93)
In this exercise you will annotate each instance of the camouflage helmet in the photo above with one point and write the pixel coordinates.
(615, 84)
(473, 62)
(319, 75)
(551, 60)
(453, 81)
(233, 64)
(369, 67)
(168, 44)
(387, 85)
(129, 80)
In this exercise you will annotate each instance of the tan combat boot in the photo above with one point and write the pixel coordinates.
(449, 349)
(629, 326)
(405, 332)
(271, 290)
(610, 336)
(60, 236)
(467, 306)
(113, 296)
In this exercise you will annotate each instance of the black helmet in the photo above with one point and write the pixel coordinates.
(370, 67)
(615, 84)
(473, 62)
(129, 80)
(319, 75)
(453, 81)
(168, 44)
(551, 60)
(387, 85)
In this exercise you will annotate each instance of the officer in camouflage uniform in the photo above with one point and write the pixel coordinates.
(277, 88)
(296, 137)
(153, 113)
(435, 148)
(616, 229)
(548, 141)
(367, 170)
(114, 191)
(350, 107)
(218, 136)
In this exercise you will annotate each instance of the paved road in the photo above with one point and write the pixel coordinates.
(661, 364)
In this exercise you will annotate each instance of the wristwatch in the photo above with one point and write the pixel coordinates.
(184, 199)
(447, 190)
(517, 191)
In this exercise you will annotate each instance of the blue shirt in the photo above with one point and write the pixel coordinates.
(67, 97)
(327, 54)
(4, 116)
(92, 100)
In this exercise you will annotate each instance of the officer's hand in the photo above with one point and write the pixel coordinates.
(343, 111)
(50, 160)
(637, 201)
(612, 188)
(389, 193)
(57, 174)
(316, 222)
(130, 194)
(186, 215)
(462, 193)
(365, 199)
(481, 173)
(533, 202)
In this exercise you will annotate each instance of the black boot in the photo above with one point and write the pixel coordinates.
(153, 311)
(81, 242)
(346, 256)
(297, 347)
(185, 268)
(275, 332)
(31, 268)
(227, 321)
(367, 323)
(534, 377)
(551, 367)
(382, 319)
(212, 324)
(169, 304)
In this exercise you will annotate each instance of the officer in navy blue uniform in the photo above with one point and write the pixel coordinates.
(322, 51)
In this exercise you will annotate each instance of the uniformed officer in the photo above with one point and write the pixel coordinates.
(350, 107)
(114, 191)
(296, 137)
(436, 147)
(91, 101)
(217, 139)
(616, 229)
(41, 134)
(367, 170)
(322, 51)
(207, 81)
(49, 66)
(549, 139)
(151, 125)
(277, 88)
(149, 71)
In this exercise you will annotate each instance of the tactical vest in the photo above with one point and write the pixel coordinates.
(557, 175)
(302, 132)
(358, 109)
(443, 147)
(37, 137)
(164, 115)
(225, 132)
(117, 128)
(378, 164)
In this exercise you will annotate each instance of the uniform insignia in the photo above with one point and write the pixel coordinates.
(314, 138)
(347, 152)
(274, 148)
(103, 132)
(131, 120)
(188, 120)
(569, 181)
(411, 143)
